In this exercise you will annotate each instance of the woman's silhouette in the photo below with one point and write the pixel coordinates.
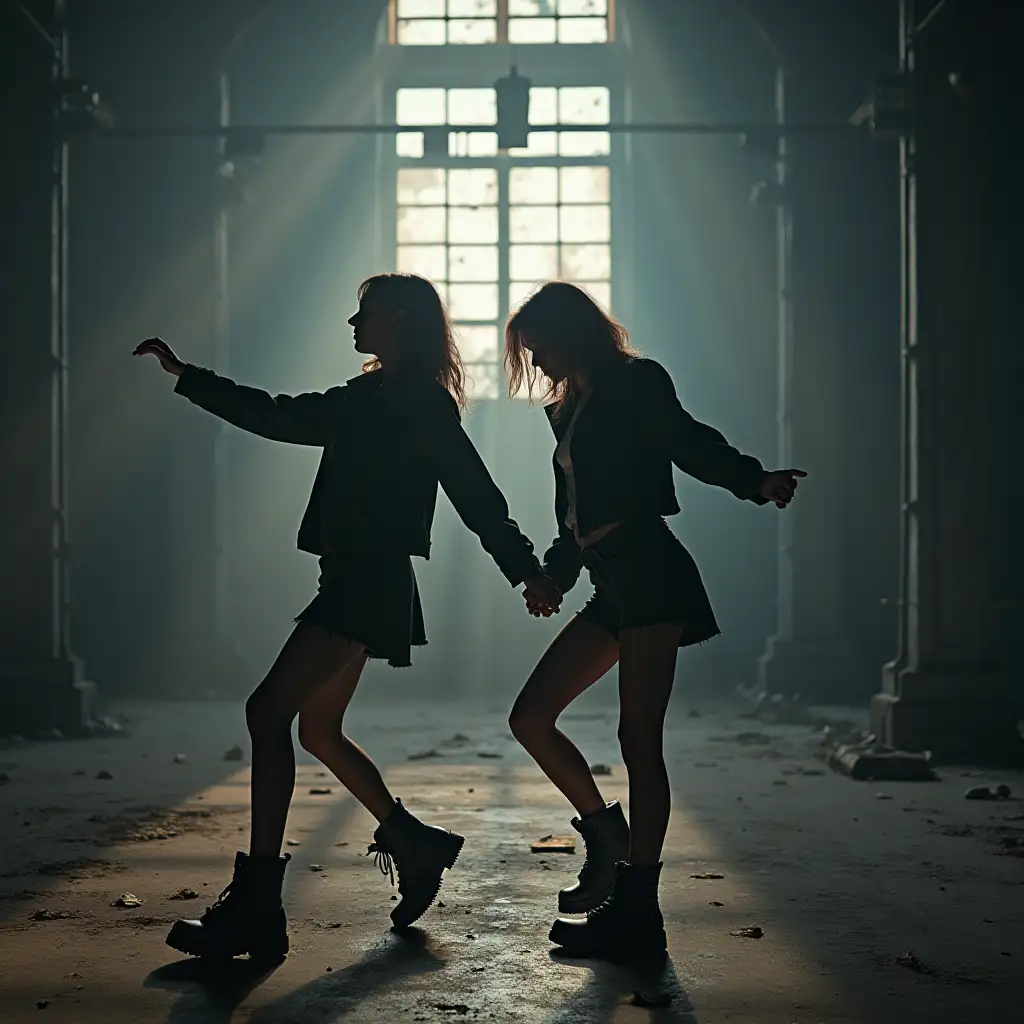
(619, 428)
(388, 437)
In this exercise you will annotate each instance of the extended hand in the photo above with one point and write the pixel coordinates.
(543, 598)
(159, 348)
(780, 486)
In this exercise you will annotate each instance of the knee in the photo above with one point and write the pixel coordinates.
(316, 735)
(638, 744)
(527, 724)
(263, 718)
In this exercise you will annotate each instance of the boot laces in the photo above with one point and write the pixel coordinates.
(384, 859)
(220, 901)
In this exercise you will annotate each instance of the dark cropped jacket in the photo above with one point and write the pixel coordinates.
(387, 442)
(626, 439)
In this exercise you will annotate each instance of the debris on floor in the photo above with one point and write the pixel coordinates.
(869, 759)
(1000, 792)
(180, 758)
(424, 755)
(554, 844)
(128, 900)
(752, 932)
(600, 769)
(488, 753)
(715, 903)
(234, 753)
(184, 894)
(52, 915)
(707, 874)
(319, 791)
(42, 1004)
(912, 963)
(316, 867)
(460, 1008)
(103, 774)
(292, 842)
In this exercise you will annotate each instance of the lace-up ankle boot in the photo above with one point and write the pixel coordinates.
(247, 918)
(627, 928)
(419, 853)
(606, 837)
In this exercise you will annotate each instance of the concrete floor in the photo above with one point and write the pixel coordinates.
(845, 878)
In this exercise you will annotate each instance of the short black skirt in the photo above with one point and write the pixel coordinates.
(643, 576)
(370, 597)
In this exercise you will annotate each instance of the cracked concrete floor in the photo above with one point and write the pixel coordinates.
(846, 879)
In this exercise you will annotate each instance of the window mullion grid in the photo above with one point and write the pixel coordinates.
(504, 246)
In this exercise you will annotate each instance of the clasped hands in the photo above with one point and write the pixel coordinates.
(542, 595)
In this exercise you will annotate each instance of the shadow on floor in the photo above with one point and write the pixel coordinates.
(608, 987)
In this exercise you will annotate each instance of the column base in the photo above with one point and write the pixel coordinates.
(37, 697)
(818, 671)
(960, 717)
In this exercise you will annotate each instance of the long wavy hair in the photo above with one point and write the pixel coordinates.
(571, 324)
(427, 338)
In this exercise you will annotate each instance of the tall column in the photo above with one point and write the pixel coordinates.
(41, 681)
(809, 654)
(945, 691)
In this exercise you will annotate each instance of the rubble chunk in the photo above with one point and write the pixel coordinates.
(128, 900)
(752, 932)
(234, 753)
(554, 844)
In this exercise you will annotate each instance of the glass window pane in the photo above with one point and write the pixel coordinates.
(421, 8)
(426, 260)
(472, 8)
(533, 224)
(582, 30)
(472, 106)
(421, 186)
(473, 301)
(599, 291)
(482, 380)
(519, 292)
(534, 262)
(588, 104)
(476, 187)
(531, 30)
(584, 223)
(419, 106)
(533, 185)
(543, 105)
(582, 7)
(472, 143)
(531, 8)
(421, 223)
(472, 31)
(409, 144)
(478, 342)
(474, 263)
(585, 184)
(584, 143)
(473, 224)
(421, 33)
(538, 144)
(586, 262)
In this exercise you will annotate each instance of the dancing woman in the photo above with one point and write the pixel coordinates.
(389, 436)
(619, 428)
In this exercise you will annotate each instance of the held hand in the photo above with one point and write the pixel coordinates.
(542, 596)
(159, 348)
(780, 486)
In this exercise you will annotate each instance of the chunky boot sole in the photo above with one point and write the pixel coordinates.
(448, 847)
(649, 950)
(194, 940)
(580, 903)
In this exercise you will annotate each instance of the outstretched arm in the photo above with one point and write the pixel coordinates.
(295, 419)
(696, 448)
(465, 479)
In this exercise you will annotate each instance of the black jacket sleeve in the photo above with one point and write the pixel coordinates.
(696, 448)
(465, 479)
(295, 419)
(562, 561)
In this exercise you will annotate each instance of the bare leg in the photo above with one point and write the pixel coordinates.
(310, 658)
(321, 720)
(576, 659)
(646, 673)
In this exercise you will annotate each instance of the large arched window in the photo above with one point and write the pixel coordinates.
(486, 226)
